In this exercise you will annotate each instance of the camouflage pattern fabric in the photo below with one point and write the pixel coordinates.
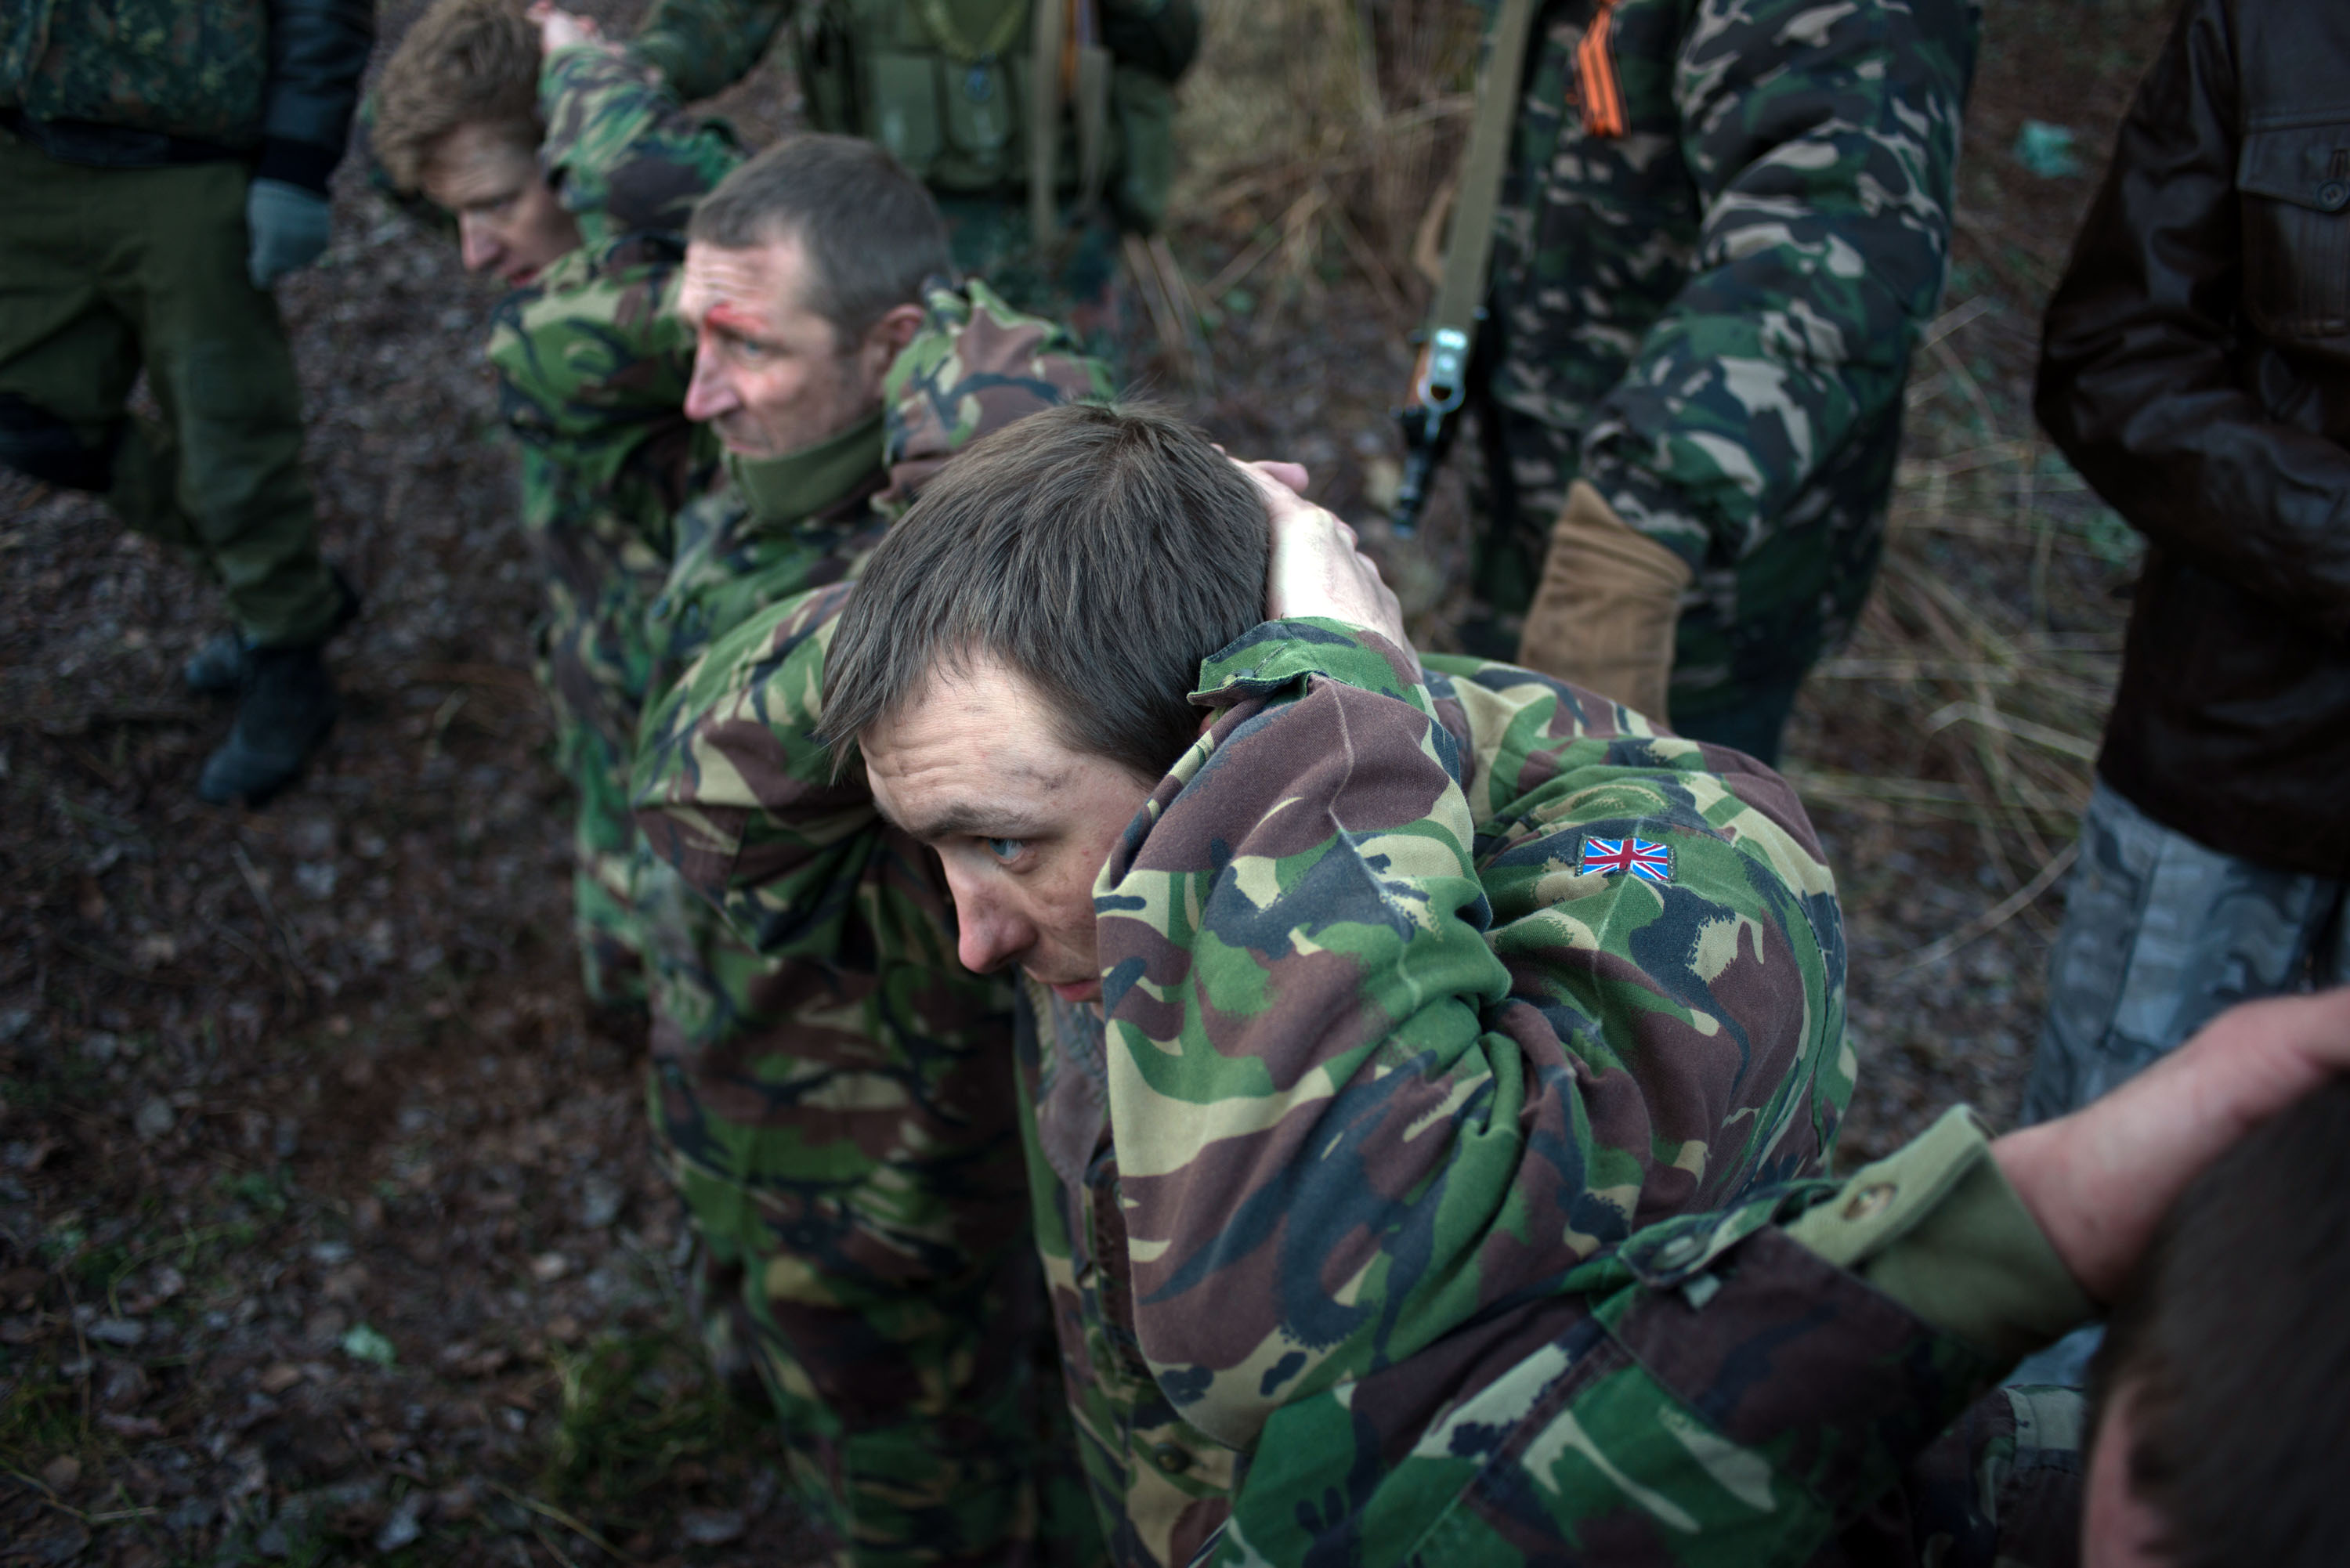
(1354, 1088)
(167, 66)
(592, 373)
(1710, 1392)
(828, 1085)
(224, 72)
(2160, 936)
(1082, 285)
(623, 156)
(592, 382)
(2002, 1489)
(1709, 317)
(1352, 1091)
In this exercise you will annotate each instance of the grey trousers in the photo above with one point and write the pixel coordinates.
(2160, 934)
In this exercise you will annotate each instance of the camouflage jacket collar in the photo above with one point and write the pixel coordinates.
(784, 490)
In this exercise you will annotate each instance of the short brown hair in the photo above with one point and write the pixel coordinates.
(2233, 1340)
(464, 62)
(870, 230)
(1102, 552)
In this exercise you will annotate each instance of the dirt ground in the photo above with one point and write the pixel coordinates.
(326, 1228)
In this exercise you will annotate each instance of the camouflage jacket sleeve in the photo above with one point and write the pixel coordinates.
(1380, 1052)
(1821, 141)
(975, 366)
(591, 373)
(1736, 1387)
(704, 47)
(620, 151)
(733, 789)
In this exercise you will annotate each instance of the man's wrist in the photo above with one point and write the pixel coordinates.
(1937, 1227)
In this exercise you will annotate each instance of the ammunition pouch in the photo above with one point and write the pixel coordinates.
(871, 68)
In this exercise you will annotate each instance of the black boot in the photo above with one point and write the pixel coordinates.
(284, 707)
(217, 669)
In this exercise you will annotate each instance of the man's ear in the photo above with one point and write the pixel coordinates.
(890, 334)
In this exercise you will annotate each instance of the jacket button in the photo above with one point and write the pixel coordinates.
(2332, 193)
(1173, 1457)
(1869, 1202)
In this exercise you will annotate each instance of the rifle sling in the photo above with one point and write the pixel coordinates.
(1460, 294)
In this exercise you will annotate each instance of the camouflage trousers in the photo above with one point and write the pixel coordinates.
(594, 662)
(2160, 934)
(862, 1213)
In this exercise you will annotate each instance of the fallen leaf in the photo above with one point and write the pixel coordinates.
(364, 1344)
(61, 1474)
(345, 1284)
(549, 1267)
(131, 1426)
(710, 1526)
(279, 1377)
(118, 1331)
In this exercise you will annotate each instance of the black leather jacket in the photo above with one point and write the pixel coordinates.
(2197, 371)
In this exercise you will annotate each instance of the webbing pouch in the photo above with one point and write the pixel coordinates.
(906, 109)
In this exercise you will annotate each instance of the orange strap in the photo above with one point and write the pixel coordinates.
(1603, 99)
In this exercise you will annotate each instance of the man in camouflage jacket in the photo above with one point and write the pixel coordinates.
(842, 1126)
(1723, 227)
(570, 173)
(162, 164)
(1342, 1094)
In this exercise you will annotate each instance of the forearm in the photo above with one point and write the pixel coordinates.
(1824, 239)
(704, 47)
(620, 150)
(1746, 1373)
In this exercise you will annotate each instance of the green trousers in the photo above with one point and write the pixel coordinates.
(108, 271)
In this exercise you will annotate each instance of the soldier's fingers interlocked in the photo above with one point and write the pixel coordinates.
(1317, 569)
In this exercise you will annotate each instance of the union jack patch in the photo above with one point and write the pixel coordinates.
(1611, 856)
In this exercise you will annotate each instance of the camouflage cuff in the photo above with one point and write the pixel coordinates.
(1935, 1227)
(1277, 653)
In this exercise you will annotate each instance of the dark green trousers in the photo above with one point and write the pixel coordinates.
(108, 271)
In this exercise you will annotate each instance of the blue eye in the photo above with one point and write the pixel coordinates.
(1006, 848)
